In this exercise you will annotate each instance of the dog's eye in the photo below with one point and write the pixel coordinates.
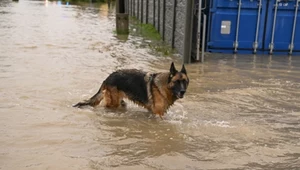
(184, 81)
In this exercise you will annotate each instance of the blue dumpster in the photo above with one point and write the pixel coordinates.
(236, 26)
(281, 27)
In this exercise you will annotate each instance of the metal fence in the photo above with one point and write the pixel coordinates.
(167, 16)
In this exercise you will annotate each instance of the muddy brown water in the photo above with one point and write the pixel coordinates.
(240, 112)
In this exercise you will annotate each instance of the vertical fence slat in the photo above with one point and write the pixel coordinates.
(131, 9)
(158, 17)
(147, 10)
(173, 24)
(142, 11)
(164, 20)
(138, 9)
(134, 8)
(127, 7)
(154, 13)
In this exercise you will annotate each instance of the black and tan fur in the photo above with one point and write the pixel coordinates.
(153, 91)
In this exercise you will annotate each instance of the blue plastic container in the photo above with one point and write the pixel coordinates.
(283, 27)
(236, 26)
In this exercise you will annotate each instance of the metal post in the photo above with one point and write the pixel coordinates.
(291, 46)
(255, 44)
(236, 43)
(121, 18)
(120, 6)
(173, 24)
(199, 29)
(187, 47)
(203, 38)
(273, 29)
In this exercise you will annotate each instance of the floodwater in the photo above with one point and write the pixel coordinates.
(240, 112)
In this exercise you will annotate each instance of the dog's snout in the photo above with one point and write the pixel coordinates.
(182, 92)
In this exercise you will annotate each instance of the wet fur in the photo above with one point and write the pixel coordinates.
(153, 91)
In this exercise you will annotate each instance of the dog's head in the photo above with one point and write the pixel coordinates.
(178, 81)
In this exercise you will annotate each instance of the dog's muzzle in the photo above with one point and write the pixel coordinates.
(180, 94)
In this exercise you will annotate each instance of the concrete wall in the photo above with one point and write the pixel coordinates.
(173, 32)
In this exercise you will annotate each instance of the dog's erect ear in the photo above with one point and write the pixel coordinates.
(173, 70)
(183, 69)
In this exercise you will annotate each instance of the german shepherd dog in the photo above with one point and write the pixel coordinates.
(153, 91)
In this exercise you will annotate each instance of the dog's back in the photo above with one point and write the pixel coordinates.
(131, 82)
(126, 83)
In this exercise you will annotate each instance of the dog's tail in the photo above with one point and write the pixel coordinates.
(93, 101)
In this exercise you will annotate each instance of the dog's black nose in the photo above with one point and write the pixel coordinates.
(182, 92)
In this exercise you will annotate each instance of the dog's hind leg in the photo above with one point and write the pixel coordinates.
(93, 101)
(113, 98)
